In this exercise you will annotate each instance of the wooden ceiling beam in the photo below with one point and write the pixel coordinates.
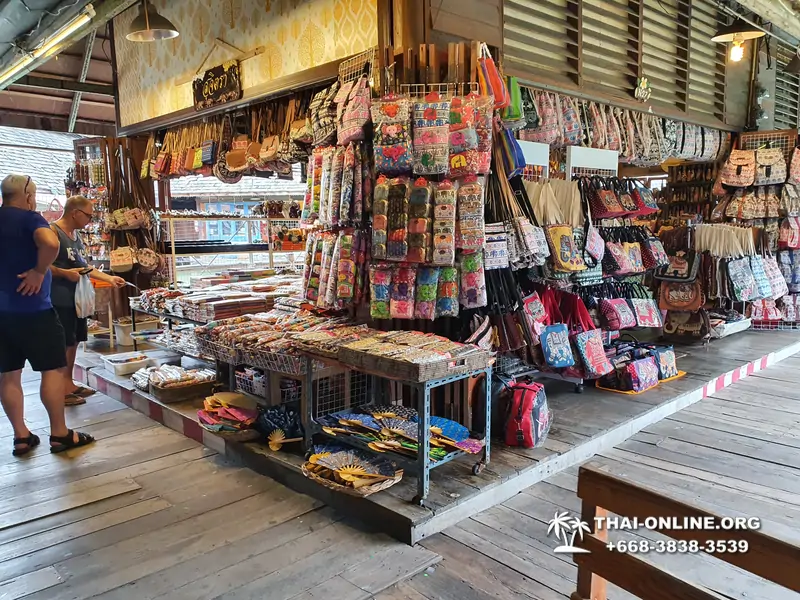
(68, 85)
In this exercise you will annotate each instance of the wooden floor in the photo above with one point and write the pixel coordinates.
(738, 450)
(147, 513)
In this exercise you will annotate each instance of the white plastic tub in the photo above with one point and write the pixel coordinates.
(126, 368)
(122, 331)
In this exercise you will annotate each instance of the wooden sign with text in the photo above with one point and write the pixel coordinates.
(218, 85)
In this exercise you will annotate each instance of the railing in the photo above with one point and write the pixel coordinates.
(603, 493)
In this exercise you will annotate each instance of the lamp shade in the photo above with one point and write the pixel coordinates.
(149, 26)
(740, 30)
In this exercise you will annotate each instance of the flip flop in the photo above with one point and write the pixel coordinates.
(32, 441)
(68, 441)
(83, 391)
(73, 400)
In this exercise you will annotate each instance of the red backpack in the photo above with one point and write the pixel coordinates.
(528, 416)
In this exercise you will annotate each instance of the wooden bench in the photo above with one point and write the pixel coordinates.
(603, 491)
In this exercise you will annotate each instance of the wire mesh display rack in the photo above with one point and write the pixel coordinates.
(354, 389)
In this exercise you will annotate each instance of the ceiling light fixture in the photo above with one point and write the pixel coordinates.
(149, 26)
(738, 30)
(50, 46)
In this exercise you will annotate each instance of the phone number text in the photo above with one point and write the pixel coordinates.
(679, 546)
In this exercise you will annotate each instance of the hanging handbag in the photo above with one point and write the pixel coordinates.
(793, 177)
(617, 314)
(742, 283)
(765, 310)
(686, 140)
(530, 110)
(599, 127)
(760, 275)
(490, 81)
(739, 169)
(623, 190)
(770, 166)
(604, 202)
(570, 122)
(646, 312)
(123, 259)
(323, 115)
(669, 138)
(683, 267)
(653, 253)
(613, 133)
(594, 244)
(546, 131)
(789, 235)
(513, 116)
(643, 198)
(556, 348)
(778, 286)
(681, 296)
(356, 114)
(790, 200)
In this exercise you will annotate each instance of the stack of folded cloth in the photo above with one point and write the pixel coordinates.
(221, 417)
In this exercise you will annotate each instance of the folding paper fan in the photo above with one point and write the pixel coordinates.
(389, 411)
(352, 462)
(356, 419)
(407, 429)
(450, 429)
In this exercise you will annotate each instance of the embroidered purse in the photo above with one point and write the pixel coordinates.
(556, 348)
(687, 328)
(739, 169)
(681, 296)
(682, 267)
(641, 375)
(603, 201)
(790, 199)
(563, 249)
(742, 283)
(646, 312)
(760, 275)
(617, 314)
(665, 361)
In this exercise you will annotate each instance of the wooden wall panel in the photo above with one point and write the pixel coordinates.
(469, 19)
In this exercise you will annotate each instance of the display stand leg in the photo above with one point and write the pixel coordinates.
(488, 415)
(111, 325)
(423, 452)
(307, 404)
(133, 330)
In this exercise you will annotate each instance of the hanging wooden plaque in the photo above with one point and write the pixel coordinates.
(218, 85)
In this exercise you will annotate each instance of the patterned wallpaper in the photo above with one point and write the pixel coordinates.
(296, 35)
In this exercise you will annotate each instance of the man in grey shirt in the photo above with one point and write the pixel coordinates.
(67, 269)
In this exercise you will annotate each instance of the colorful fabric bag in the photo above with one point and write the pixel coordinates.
(739, 169)
(593, 357)
(617, 314)
(665, 361)
(563, 249)
(778, 286)
(790, 199)
(794, 168)
(681, 296)
(556, 348)
(391, 117)
(570, 121)
(641, 375)
(742, 282)
(760, 275)
(770, 166)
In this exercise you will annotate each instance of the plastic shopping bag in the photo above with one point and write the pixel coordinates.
(84, 298)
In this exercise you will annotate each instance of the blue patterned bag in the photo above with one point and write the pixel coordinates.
(556, 347)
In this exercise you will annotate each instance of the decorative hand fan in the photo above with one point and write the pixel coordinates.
(278, 438)
(391, 411)
(401, 427)
(350, 462)
(449, 429)
(356, 419)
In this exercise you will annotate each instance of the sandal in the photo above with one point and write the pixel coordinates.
(31, 442)
(83, 391)
(68, 441)
(73, 400)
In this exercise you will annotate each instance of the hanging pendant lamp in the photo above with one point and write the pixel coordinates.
(739, 30)
(149, 26)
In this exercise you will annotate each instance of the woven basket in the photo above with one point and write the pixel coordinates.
(361, 492)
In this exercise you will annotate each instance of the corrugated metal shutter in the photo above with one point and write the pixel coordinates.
(665, 37)
(542, 36)
(787, 90)
(610, 44)
(706, 61)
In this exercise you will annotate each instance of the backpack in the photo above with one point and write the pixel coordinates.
(739, 169)
(770, 166)
(323, 115)
(529, 417)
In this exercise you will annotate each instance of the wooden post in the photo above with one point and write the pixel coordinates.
(591, 586)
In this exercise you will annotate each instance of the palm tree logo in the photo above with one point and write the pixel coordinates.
(566, 529)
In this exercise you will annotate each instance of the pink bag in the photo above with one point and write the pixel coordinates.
(548, 131)
(570, 121)
(599, 127)
(613, 134)
(794, 168)
(356, 114)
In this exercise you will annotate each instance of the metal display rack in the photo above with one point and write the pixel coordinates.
(320, 404)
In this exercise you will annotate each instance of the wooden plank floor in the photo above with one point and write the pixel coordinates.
(147, 513)
(738, 450)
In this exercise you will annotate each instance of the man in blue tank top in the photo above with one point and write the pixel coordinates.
(29, 327)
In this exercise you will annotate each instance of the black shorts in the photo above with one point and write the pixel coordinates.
(36, 337)
(75, 329)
